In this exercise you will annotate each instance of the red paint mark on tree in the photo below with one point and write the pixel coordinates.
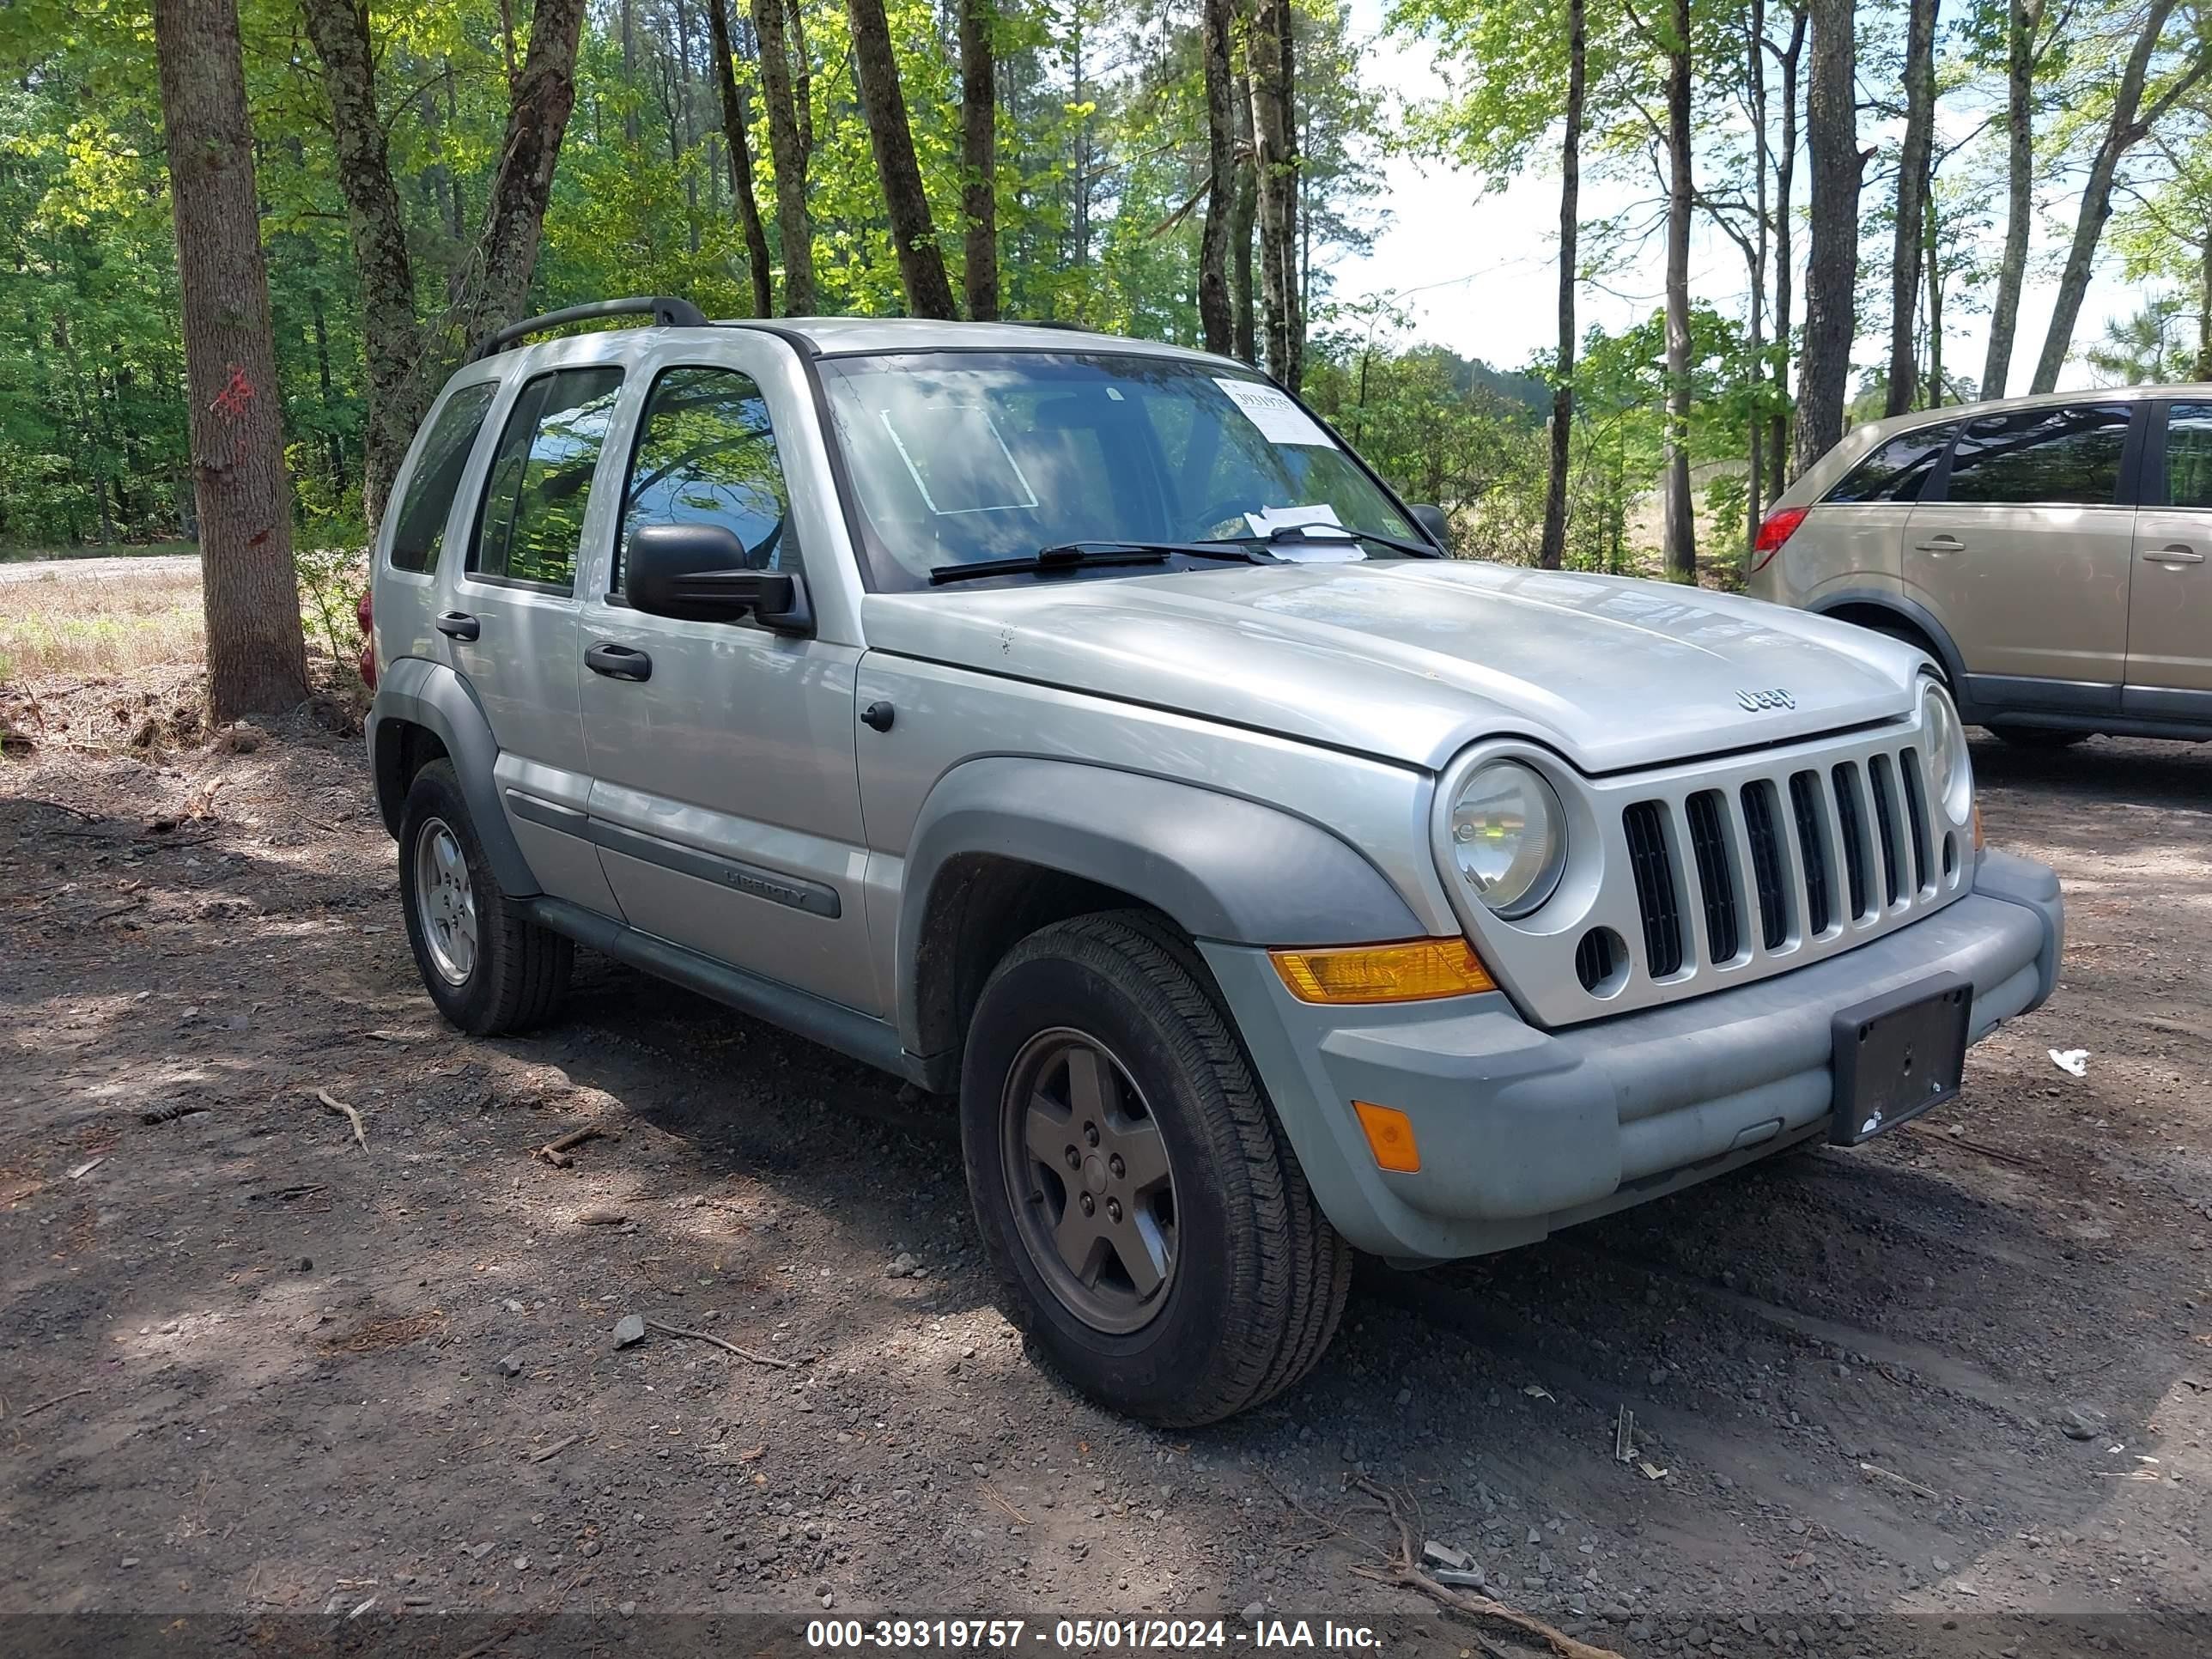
(237, 392)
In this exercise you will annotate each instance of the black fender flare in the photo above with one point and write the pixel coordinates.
(1221, 868)
(1910, 610)
(415, 690)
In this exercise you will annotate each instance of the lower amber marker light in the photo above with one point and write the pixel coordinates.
(1415, 970)
(1389, 1134)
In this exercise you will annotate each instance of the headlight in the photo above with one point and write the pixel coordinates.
(1950, 771)
(1508, 837)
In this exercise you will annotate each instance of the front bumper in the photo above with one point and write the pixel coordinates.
(1522, 1131)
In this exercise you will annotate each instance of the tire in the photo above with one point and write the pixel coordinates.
(1254, 1278)
(491, 970)
(2038, 737)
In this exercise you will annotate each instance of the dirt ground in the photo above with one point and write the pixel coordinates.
(257, 1379)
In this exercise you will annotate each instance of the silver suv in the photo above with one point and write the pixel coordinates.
(1075, 726)
(2049, 553)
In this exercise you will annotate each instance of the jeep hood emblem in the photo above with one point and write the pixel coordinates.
(1754, 701)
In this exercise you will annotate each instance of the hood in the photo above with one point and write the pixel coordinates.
(1409, 660)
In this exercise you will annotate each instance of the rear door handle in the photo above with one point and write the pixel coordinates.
(618, 662)
(459, 625)
(2175, 556)
(1941, 544)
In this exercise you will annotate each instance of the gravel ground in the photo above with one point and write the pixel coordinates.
(254, 1373)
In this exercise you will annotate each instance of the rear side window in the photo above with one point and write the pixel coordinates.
(531, 521)
(2188, 455)
(419, 528)
(2067, 457)
(706, 454)
(1898, 470)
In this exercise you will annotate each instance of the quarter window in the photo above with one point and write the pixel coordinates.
(531, 522)
(2188, 455)
(706, 454)
(2065, 456)
(1898, 470)
(419, 530)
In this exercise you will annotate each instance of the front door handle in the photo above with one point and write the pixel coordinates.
(2175, 556)
(459, 625)
(1941, 544)
(618, 662)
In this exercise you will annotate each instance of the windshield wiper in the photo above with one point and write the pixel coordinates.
(1304, 533)
(1071, 556)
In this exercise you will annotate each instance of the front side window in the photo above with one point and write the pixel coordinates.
(2188, 455)
(419, 528)
(959, 457)
(1897, 470)
(706, 454)
(2066, 457)
(531, 522)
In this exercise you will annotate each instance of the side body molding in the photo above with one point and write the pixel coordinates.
(428, 694)
(1224, 868)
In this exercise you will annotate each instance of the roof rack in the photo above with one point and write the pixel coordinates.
(665, 310)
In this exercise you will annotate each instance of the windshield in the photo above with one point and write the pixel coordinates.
(962, 457)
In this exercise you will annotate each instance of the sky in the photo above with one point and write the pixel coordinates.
(1477, 269)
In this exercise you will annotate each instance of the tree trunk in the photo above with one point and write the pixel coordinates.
(392, 339)
(741, 160)
(1551, 552)
(1244, 217)
(1273, 85)
(537, 116)
(1755, 462)
(2203, 371)
(1832, 269)
(979, 158)
(1912, 190)
(1679, 531)
(2128, 125)
(787, 147)
(257, 654)
(1786, 269)
(1216, 313)
(2024, 17)
(921, 267)
(1935, 307)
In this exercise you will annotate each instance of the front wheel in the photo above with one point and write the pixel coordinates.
(1150, 1229)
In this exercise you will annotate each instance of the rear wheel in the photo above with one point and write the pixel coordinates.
(1152, 1230)
(488, 967)
(2038, 737)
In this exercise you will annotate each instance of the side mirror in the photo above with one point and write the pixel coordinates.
(1434, 520)
(697, 572)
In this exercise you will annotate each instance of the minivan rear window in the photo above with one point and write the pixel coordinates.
(2064, 456)
(1898, 470)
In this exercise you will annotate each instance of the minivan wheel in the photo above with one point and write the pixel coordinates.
(1152, 1231)
(487, 966)
(2038, 737)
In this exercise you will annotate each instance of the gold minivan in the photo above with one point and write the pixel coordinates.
(2050, 553)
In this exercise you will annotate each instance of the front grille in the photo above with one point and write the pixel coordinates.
(1812, 847)
(1759, 823)
(1852, 822)
(1715, 883)
(1653, 865)
(1847, 815)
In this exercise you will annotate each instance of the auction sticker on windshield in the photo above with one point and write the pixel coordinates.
(1279, 420)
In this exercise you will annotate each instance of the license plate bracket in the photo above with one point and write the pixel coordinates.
(1896, 1055)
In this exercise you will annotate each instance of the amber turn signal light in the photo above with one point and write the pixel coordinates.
(1414, 971)
(1977, 826)
(1389, 1134)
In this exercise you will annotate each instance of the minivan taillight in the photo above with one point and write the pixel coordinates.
(364, 613)
(1776, 528)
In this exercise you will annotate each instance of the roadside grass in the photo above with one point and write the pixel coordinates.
(54, 625)
(27, 554)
